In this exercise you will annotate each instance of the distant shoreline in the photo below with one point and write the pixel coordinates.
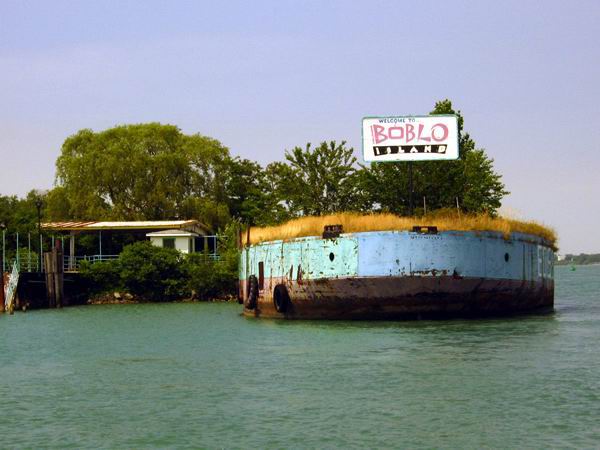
(569, 263)
(127, 299)
(582, 259)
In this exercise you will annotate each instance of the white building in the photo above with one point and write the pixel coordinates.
(181, 240)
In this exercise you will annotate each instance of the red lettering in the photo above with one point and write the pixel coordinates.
(378, 133)
(410, 132)
(444, 129)
(392, 129)
(420, 138)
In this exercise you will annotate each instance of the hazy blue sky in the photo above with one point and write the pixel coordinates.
(263, 77)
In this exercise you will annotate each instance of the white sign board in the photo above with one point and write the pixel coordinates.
(410, 138)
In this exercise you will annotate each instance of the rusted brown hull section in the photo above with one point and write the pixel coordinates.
(372, 298)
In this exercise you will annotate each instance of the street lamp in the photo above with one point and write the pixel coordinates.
(39, 202)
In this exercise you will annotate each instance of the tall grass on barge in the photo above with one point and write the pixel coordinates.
(382, 266)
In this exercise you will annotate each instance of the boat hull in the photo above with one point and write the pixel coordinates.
(389, 298)
(398, 275)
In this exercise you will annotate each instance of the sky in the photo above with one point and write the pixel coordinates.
(266, 76)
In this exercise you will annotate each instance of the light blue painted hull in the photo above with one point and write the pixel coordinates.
(399, 273)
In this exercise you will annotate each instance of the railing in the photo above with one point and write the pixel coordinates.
(71, 265)
(23, 264)
(209, 256)
(74, 265)
(29, 258)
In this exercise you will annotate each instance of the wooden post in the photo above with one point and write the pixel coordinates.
(1, 285)
(72, 252)
(54, 271)
(59, 286)
(49, 275)
(411, 189)
(2, 270)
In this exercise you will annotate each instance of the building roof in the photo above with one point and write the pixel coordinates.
(172, 233)
(189, 225)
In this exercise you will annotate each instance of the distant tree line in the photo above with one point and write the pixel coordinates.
(154, 171)
(581, 259)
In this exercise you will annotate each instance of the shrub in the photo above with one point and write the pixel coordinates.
(154, 273)
(215, 279)
(100, 277)
(210, 279)
(162, 274)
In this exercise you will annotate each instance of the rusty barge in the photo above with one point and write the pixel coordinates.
(421, 273)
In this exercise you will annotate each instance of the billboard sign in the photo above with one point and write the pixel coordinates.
(410, 138)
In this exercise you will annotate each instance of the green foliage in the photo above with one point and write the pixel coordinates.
(210, 279)
(248, 191)
(58, 207)
(162, 274)
(581, 259)
(210, 212)
(154, 273)
(102, 276)
(315, 182)
(327, 180)
(136, 172)
(470, 179)
(155, 172)
(20, 215)
(29, 261)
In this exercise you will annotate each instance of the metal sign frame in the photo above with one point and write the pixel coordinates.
(437, 157)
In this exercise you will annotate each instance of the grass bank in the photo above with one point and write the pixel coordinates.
(354, 222)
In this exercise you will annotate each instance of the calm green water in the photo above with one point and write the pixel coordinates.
(200, 375)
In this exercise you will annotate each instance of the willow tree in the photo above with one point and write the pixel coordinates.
(136, 172)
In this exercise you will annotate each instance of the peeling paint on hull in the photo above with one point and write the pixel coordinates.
(398, 275)
(405, 298)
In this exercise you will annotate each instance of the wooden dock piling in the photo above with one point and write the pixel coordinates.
(54, 271)
(1, 287)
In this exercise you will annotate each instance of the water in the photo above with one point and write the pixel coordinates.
(200, 375)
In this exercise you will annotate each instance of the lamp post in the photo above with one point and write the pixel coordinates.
(38, 204)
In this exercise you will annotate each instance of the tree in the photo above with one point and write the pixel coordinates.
(136, 172)
(249, 195)
(471, 179)
(315, 181)
(21, 214)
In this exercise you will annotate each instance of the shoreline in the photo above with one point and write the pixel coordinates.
(128, 299)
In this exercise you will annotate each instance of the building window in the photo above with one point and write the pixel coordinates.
(169, 242)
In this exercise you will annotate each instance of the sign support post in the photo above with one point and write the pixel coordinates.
(409, 139)
(411, 204)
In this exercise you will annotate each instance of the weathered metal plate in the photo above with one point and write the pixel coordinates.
(395, 273)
